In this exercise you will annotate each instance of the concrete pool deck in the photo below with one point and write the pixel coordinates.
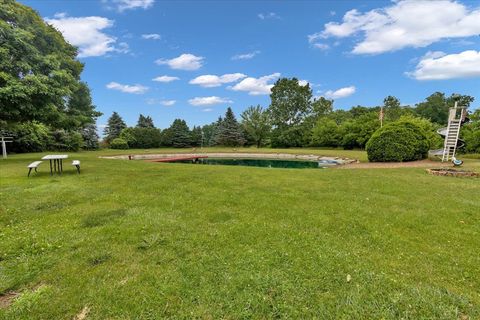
(236, 155)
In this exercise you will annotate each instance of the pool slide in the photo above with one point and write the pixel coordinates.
(439, 152)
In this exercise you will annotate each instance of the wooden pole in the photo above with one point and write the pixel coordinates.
(381, 116)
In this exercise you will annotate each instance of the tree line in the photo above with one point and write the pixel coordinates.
(295, 119)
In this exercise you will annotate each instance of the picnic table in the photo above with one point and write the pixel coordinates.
(57, 159)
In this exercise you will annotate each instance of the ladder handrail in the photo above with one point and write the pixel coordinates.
(447, 146)
(458, 132)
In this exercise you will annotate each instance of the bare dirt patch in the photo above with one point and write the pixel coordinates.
(83, 314)
(392, 165)
(453, 173)
(7, 299)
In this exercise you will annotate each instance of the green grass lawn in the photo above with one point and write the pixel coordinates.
(139, 240)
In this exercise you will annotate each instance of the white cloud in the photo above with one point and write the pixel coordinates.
(440, 66)
(135, 89)
(206, 101)
(151, 36)
(303, 82)
(86, 34)
(268, 15)
(210, 80)
(165, 79)
(256, 86)
(406, 23)
(123, 47)
(340, 93)
(122, 5)
(321, 46)
(186, 61)
(207, 110)
(245, 56)
(168, 103)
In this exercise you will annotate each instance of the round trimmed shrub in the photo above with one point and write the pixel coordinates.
(119, 143)
(398, 141)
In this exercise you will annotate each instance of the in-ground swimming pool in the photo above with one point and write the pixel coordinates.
(267, 163)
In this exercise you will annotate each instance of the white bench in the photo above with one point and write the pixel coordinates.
(76, 163)
(33, 165)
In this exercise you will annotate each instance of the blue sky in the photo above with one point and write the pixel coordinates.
(208, 55)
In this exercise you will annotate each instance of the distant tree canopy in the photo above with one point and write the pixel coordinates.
(145, 122)
(313, 125)
(435, 107)
(39, 77)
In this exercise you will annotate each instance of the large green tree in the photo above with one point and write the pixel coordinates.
(290, 106)
(39, 73)
(114, 127)
(256, 123)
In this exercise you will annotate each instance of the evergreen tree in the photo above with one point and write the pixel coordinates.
(209, 134)
(197, 136)
(177, 135)
(90, 137)
(80, 109)
(114, 127)
(229, 132)
(145, 122)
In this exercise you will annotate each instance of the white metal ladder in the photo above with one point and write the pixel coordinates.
(453, 131)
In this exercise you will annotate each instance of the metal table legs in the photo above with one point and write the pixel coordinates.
(57, 166)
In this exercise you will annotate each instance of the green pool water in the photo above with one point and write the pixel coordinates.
(266, 163)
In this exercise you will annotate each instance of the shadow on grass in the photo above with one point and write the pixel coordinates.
(102, 218)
